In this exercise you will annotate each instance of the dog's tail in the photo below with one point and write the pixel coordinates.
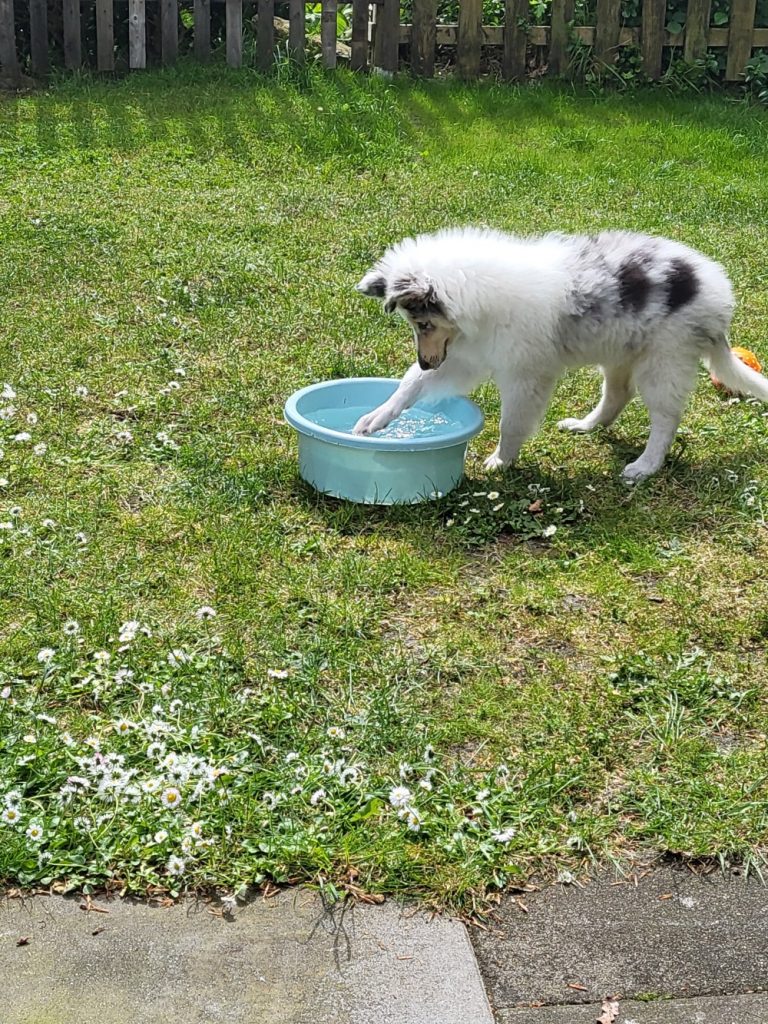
(734, 374)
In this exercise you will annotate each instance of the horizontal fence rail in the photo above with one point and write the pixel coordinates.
(36, 35)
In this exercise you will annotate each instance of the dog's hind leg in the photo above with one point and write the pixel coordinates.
(665, 387)
(617, 391)
(523, 403)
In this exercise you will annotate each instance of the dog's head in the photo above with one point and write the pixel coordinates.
(415, 297)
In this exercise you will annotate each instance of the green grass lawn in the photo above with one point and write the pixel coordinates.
(177, 254)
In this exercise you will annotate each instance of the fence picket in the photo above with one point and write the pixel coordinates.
(652, 36)
(697, 29)
(201, 12)
(169, 30)
(386, 44)
(423, 34)
(328, 32)
(360, 16)
(73, 52)
(607, 25)
(9, 61)
(234, 33)
(265, 36)
(517, 14)
(562, 14)
(470, 34)
(137, 34)
(105, 36)
(740, 38)
(297, 30)
(38, 37)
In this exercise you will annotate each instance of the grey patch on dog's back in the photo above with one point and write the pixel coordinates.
(634, 283)
(681, 284)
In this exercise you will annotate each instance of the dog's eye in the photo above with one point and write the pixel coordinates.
(424, 325)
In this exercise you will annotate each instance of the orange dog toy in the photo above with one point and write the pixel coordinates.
(748, 358)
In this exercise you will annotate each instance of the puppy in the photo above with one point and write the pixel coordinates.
(483, 304)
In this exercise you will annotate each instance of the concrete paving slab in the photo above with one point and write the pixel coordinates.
(282, 960)
(746, 1009)
(674, 934)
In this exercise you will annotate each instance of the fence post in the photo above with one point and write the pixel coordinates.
(72, 45)
(562, 16)
(517, 15)
(38, 37)
(137, 36)
(607, 23)
(386, 44)
(265, 36)
(297, 31)
(169, 31)
(8, 58)
(470, 33)
(105, 36)
(652, 36)
(202, 16)
(740, 31)
(360, 15)
(696, 30)
(423, 36)
(328, 15)
(234, 33)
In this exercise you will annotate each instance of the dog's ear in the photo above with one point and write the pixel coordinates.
(373, 285)
(416, 295)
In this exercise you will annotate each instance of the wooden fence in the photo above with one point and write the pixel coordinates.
(378, 39)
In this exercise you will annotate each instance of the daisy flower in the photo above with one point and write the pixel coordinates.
(35, 832)
(32, 418)
(41, 448)
(277, 673)
(196, 829)
(71, 628)
(270, 799)
(205, 613)
(317, 796)
(22, 436)
(335, 732)
(550, 531)
(122, 726)
(399, 796)
(45, 655)
(171, 797)
(413, 820)
(160, 836)
(503, 836)
(177, 658)
(175, 865)
(11, 815)
(124, 436)
(81, 391)
(7, 392)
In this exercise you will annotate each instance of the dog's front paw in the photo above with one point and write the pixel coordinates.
(576, 426)
(635, 472)
(494, 463)
(372, 421)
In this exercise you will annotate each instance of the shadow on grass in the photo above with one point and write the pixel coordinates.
(218, 110)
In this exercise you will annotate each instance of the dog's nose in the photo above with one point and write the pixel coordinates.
(423, 363)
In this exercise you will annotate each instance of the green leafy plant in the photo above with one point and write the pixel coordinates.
(756, 76)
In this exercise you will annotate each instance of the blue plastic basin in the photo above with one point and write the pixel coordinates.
(417, 457)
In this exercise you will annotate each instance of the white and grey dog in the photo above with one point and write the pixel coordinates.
(483, 304)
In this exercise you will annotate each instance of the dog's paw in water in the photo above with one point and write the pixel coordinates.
(372, 421)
